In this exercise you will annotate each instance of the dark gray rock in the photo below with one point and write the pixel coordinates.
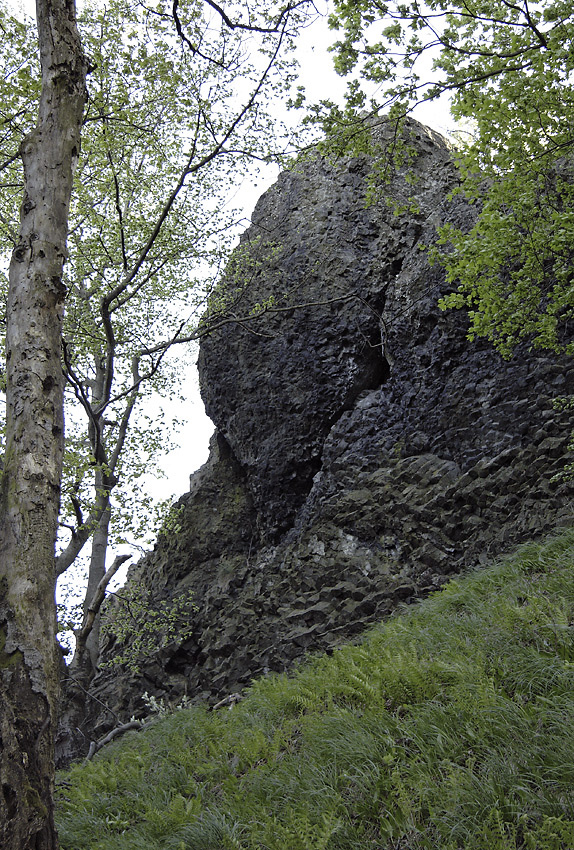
(316, 242)
(366, 450)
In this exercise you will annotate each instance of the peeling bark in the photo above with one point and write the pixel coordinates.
(30, 482)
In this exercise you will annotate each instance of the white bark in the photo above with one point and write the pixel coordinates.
(30, 483)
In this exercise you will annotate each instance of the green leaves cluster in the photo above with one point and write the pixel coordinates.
(20, 92)
(507, 69)
(244, 272)
(513, 269)
(140, 630)
(178, 114)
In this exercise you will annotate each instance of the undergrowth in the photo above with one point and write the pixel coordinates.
(450, 727)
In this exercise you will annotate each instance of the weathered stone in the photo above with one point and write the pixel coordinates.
(365, 451)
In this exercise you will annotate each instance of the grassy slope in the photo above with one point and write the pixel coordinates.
(451, 726)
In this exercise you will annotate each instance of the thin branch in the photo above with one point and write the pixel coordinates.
(193, 47)
(95, 746)
(118, 206)
(140, 379)
(129, 295)
(487, 54)
(123, 430)
(239, 25)
(9, 161)
(96, 602)
(230, 700)
(105, 313)
(457, 13)
(530, 23)
(10, 232)
(189, 169)
(79, 685)
(81, 395)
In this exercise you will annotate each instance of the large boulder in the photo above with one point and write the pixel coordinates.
(365, 449)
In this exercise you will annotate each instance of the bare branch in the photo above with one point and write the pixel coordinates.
(239, 25)
(95, 746)
(140, 285)
(193, 47)
(9, 161)
(79, 685)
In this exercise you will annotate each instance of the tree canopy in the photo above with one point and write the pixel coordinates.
(507, 67)
(177, 116)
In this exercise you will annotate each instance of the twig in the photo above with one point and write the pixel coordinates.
(229, 700)
(91, 696)
(119, 730)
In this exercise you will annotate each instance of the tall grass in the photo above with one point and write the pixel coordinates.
(450, 727)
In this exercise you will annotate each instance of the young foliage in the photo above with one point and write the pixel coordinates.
(166, 125)
(507, 68)
(139, 630)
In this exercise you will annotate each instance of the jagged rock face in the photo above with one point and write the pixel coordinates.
(293, 375)
(365, 451)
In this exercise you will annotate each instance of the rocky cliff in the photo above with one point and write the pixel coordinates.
(365, 449)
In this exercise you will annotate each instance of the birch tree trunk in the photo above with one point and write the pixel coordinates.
(30, 483)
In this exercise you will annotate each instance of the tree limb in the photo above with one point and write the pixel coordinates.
(190, 168)
(95, 746)
(96, 601)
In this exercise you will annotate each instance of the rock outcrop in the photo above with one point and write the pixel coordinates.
(365, 450)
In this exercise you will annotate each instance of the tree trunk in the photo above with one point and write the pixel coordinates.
(96, 573)
(71, 741)
(30, 483)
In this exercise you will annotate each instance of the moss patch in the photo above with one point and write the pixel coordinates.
(8, 659)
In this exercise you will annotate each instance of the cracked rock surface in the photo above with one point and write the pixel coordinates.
(365, 450)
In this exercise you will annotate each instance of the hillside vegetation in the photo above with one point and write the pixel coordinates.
(449, 727)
